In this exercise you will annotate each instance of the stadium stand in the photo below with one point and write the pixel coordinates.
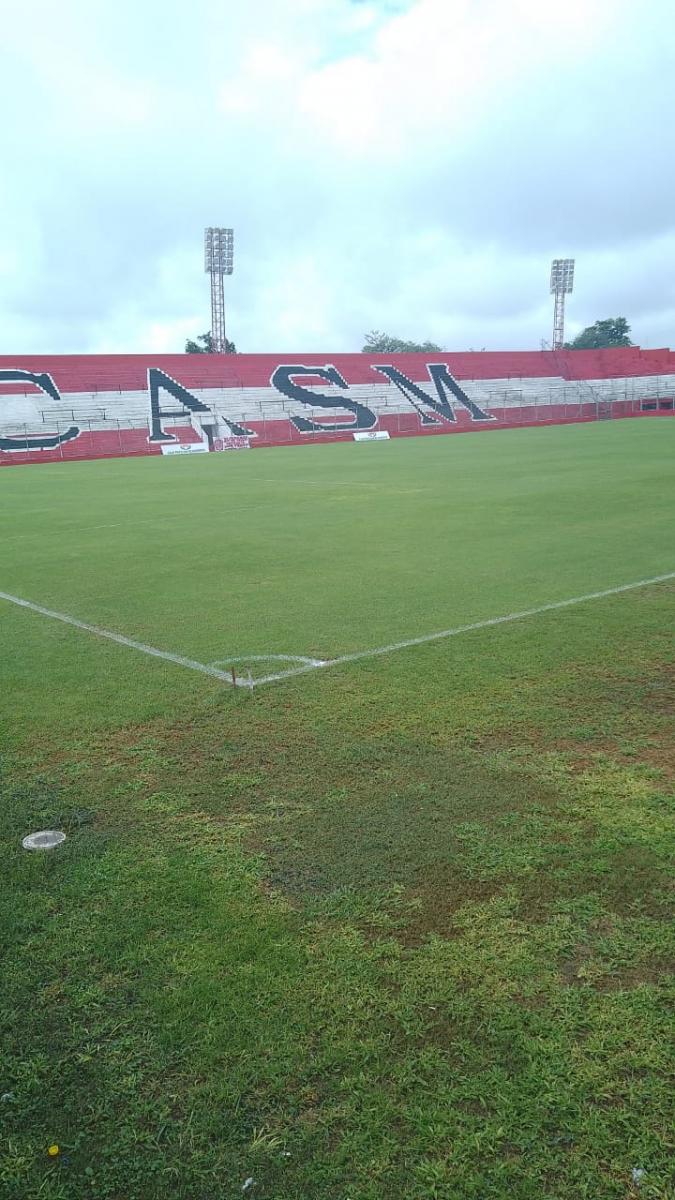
(98, 406)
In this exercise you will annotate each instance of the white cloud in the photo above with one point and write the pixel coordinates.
(435, 71)
(410, 166)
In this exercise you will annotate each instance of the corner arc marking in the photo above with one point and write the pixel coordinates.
(251, 658)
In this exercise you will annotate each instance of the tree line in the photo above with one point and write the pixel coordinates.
(613, 331)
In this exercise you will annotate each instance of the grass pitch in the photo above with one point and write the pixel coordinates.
(399, 929)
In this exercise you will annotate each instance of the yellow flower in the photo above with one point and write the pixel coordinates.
(53, 1151)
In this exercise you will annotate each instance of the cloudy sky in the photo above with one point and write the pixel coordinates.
(406, 165)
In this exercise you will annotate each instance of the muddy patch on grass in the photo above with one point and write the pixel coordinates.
(412, 828)
(436, 900)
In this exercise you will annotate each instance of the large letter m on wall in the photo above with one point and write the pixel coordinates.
(448, 391)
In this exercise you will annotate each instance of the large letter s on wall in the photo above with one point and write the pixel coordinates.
(282, 380)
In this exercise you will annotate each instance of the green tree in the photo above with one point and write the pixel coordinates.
(614, 331)
(207, 345)
(384, 343)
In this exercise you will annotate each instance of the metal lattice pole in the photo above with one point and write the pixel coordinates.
(562, 282)
(218, 262)
(218, 312)
(558, 320)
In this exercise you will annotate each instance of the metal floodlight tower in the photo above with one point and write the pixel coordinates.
(562, 282)
(218, 261)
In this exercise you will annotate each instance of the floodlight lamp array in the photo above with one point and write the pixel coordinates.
(562, 275)
(218, 251)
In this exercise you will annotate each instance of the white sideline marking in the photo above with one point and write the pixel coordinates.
(178, 659)
(448, 633)
(321, 664)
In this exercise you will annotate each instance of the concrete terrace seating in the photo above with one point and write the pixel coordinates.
(107, 398)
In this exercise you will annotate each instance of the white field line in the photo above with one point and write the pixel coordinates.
(178, 659)
(319, 664)
(249, 658)
(448, 633)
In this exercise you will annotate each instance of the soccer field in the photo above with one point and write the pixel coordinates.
(347, 547)
(395, 926)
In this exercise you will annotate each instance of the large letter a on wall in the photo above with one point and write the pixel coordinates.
(158, 379)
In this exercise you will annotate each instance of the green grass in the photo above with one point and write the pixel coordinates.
(397, 929)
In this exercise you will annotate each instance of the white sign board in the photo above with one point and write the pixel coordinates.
(187, 448)
(378, 435)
